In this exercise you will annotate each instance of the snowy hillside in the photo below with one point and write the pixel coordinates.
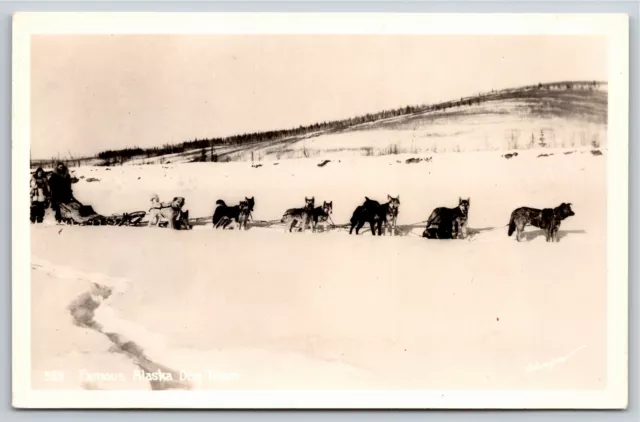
(559, 115)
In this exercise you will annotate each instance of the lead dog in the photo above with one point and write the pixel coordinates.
(547, 219)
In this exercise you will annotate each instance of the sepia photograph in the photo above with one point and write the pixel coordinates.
(319, 211)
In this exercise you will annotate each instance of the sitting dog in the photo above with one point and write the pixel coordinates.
(547, 219)
(179, 218)
(448, 223)
(376, 215)
(224, 214)
(304, 216)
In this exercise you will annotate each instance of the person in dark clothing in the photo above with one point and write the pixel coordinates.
(60, 185)
(39, 195)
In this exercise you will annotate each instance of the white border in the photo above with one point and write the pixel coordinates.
(613, 26)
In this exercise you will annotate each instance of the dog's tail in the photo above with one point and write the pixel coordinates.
(221, 202)
(512, 225)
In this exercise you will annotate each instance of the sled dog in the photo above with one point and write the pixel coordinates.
(376, 215)
(547, 219)
(448, 223)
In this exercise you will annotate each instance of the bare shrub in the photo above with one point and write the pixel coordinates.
(391, 149)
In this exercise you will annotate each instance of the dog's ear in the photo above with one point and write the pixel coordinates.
(469, 200)
(388, 197)
(459, 200)
(367, 198)
(313, 198)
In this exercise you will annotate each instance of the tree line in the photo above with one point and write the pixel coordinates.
(121, 155)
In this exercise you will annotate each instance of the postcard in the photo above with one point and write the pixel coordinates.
(374, 210)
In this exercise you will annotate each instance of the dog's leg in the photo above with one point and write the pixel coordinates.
(359, 226)
(304, 223)
(155, 220)
(519, 231)
(464, 230)
(290, 225)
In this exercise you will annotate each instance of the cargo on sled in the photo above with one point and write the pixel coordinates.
(84, 215)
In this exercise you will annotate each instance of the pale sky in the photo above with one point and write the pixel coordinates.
(95, 92)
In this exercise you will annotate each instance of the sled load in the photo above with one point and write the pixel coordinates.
(75, 213)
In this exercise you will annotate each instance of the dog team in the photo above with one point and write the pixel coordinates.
(443, 223)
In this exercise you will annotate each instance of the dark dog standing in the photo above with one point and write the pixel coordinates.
(448, 223)
(224, 214)
(376, 214)
(547, 219)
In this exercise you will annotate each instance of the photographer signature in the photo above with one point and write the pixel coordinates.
(537, 366)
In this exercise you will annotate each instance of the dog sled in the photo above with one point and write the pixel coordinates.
(75, 213)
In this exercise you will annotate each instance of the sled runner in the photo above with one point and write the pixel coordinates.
(126, 219)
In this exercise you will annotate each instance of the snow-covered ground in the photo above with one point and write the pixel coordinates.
(261, 309)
